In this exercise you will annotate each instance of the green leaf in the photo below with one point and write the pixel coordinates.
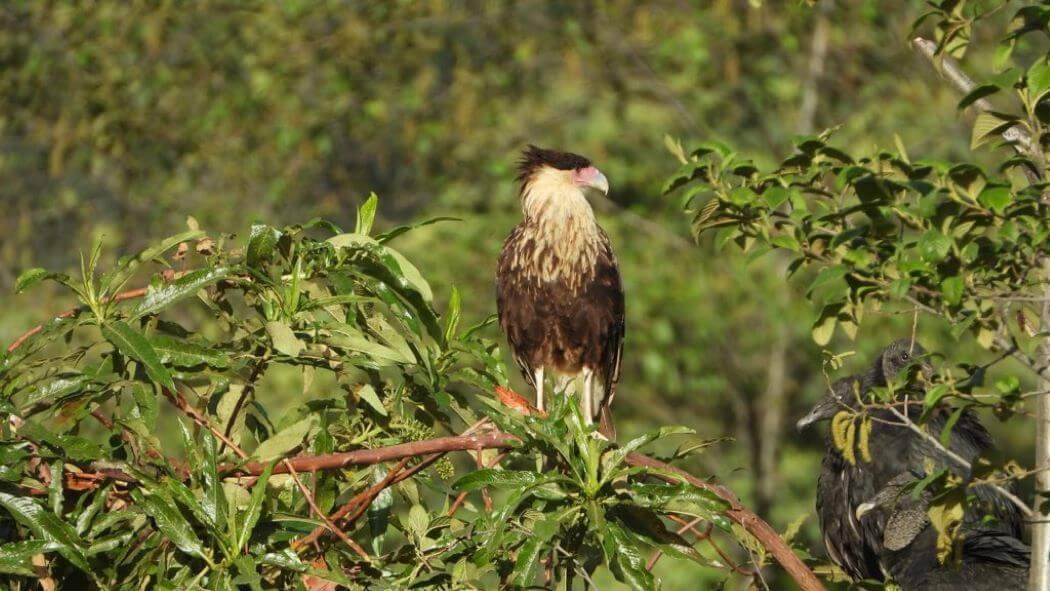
(417, 522)
(497, 478)
(367, 393)
(828, 275)
(528, 557)
(995, 197)
(55, 389)
(934, 246)
(629, 565)
(1039, 78)
(48, 527)
(347, 337)
(173, 351)
(985, 126)
(366, 215)
(824, 327)
(159, 297)
(394, 260)
(169, 520)
(213, 499)
(31, 277)
(977, 94)
(683, 498)
(135, 345)
(952, 290)
(452, 314)
(283, 339)
(286, 439)
(128, 266)
(251, 515)
(262, 241)
(16, 557)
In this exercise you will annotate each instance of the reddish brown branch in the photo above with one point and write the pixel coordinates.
(367, 457)
(364, 497)
(755, 525)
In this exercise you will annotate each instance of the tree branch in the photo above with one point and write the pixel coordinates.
(1016, 135)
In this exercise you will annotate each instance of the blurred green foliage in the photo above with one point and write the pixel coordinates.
(120, 119)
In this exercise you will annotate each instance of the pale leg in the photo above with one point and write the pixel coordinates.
(587, 400)
(537, 377)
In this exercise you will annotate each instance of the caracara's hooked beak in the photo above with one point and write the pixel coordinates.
(590, 178)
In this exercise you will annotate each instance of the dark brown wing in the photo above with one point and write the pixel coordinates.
(515, 302)
(608, 296)
(852, 544)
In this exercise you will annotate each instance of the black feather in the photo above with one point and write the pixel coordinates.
(991, 547)
(534, 157)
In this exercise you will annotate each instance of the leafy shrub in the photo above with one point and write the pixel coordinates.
(142, 446)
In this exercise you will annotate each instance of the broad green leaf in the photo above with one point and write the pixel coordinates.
(135, 345)
(284, 339)
(286, 439)
(169, 520)
(163, 295)
(952, 289)
(828, 275)
(985, 126)
(417, 521)
(647, 525)
(934, 246)
(683, 497)
(180, 353)
(55, 389)
(47, 527)
(824, 327)
(346, 337)
(1039, 78)
(262, 240)
(995, 197)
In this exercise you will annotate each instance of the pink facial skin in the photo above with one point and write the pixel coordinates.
(590, 178)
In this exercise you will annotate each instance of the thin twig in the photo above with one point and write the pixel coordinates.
(332, 527)
(959, 460)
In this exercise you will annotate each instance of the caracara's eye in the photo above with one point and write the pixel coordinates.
(905, 356)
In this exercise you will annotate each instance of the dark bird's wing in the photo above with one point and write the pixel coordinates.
(515, 303)
(991, 561)
(609, 298)
(853, 543)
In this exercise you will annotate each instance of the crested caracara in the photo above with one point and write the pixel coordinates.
(558, 289)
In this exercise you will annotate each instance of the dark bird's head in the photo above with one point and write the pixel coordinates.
(554, 182)
(897, 357)
(848, 393)
(843, 395)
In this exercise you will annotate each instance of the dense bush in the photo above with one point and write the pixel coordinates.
(95, 496)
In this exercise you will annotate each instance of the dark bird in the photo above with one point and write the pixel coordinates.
(558, 289)
(871, 538)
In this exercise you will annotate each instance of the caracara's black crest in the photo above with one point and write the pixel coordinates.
(534, 157)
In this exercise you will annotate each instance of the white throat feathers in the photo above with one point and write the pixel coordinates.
(558, 218)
